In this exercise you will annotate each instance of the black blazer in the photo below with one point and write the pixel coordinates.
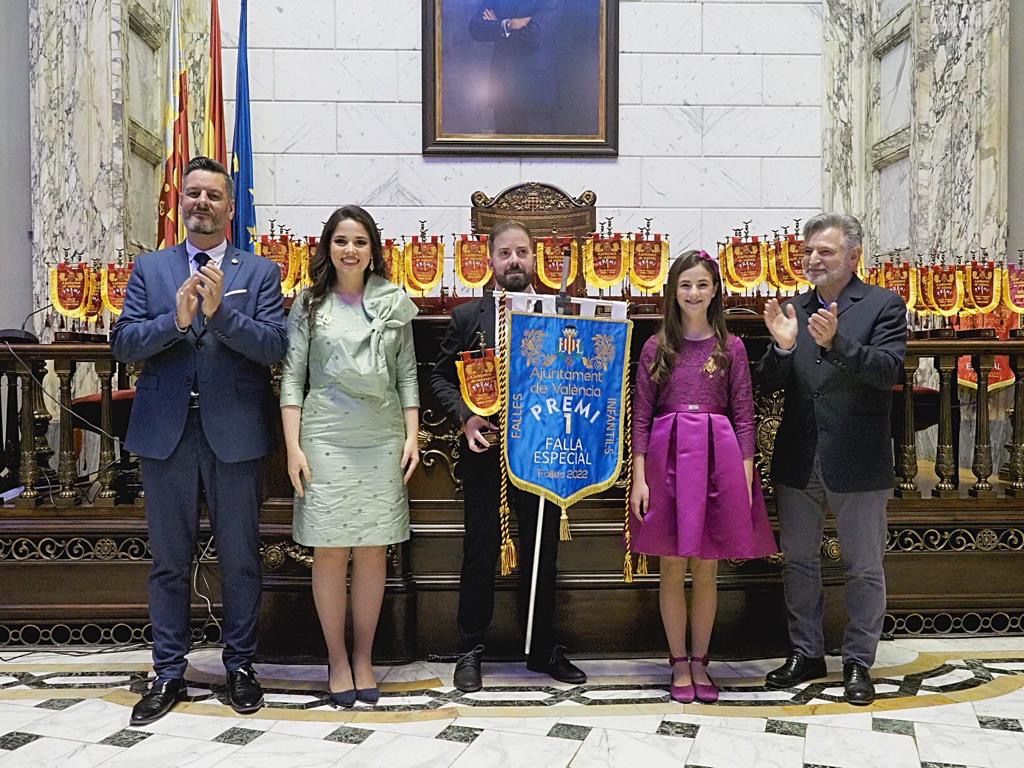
(837, 402)
(462, 334)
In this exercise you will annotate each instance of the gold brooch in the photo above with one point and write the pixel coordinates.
(710, 366)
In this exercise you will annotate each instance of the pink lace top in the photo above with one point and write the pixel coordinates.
(728, 392)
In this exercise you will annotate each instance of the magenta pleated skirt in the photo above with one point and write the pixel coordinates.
(698, 500)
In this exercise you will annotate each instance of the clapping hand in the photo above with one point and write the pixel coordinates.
(781, 323)
(186, 303)
(489, 15)
(822, 325)
(519, 23)
(210, 284)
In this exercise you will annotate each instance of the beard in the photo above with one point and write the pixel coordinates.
(515, 281)
(203, 225)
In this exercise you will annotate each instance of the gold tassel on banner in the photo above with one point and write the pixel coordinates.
(509, 559)
(563, 527)
(627, 448)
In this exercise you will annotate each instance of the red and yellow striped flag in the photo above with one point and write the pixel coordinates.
(214, 141)
(170, 229)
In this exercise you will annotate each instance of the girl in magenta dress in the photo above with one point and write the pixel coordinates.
(695, 497)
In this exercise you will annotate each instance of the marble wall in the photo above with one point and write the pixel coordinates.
(720, 118)
(916, 128)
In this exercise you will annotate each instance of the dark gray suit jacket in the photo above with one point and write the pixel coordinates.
(463, 334)
(837, 402)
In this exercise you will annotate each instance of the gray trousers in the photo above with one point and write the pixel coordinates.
(861, 528)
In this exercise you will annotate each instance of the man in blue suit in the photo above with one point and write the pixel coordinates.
(205, 319)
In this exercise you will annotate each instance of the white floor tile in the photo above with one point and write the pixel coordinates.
(392, 750)
(610, 749)
(846, 748)
(511, 750)
(274, 750)
(159, 751)
(492, 695)
(635, 724)
(981, 747)
(58, 753)
(721, 748)
(858, 722)
(427, 729)
(754, 724)
(15, 718)
(307, 729)
(86, 680)
(947, 714)
(647, 693)
(950, 678)
(202, 727)
(91, 720)
(1011, 705)
(538, 726)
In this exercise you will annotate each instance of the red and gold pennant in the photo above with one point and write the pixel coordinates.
(478, 381)
(114, 286)
(1013, 288)
(604, 261)
(393, 261)
(746, 264)
(424, 261)
(946, 289)
(551, 252)
(472, 262)
(982, 286)
(901, 279)
(71, 289)
(648, 262)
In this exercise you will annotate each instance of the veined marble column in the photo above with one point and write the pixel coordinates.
(76, 55)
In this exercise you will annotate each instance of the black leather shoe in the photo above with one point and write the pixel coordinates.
(558, 667)
(467, 676)
(857, 684)
(157, 701)
(797, 669)
(244, 692)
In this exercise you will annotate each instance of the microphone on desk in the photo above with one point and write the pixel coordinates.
(20, 335)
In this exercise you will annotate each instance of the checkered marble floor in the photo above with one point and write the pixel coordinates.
(941, 703)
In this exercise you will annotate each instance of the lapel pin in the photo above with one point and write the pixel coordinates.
(234, 261)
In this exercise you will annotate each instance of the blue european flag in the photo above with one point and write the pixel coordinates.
(243, 226)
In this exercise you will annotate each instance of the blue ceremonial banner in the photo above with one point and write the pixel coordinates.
(243, 226)
(566, 384)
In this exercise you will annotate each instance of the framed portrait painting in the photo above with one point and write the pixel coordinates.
(527, 77)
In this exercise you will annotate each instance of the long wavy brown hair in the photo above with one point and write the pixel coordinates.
(321, 269)
(672, 336)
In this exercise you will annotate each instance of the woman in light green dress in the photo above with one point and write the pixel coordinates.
(352, 440)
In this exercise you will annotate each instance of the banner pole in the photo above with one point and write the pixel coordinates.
(536, 570)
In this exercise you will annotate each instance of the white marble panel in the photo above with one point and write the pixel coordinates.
(635, 724)
(889, 8)
(1010, 706)
(645, 28)
(402, 220)
(630, 78)
(380, 128)
(272, 750)
(701, 182)
(308, 75)
(172, 752)
(294, 127)
(261, 75)
(720, 748)
(281, 24)
(324, 180)
(450, 181)
(392, 749)
(58, 753)
(427, 729)
(396, 26)
(516, 751)
(849, 748)
(894, 80)
(665, 130)
(410, 76)
(859, 722)
(718, 223)
(969, 746)
(793, 80)
(536, 726)
(301, 220)
(616, 182)
(603, 748)
(948, 714)
(790, 182)
(91, 720)
(894, 205)
(703, 80)
(264, 178)
(776, 28)
(762, 131)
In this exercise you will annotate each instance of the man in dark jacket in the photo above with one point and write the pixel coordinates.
(838, 350)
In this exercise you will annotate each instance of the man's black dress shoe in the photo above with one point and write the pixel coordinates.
(797, 669)
(157, 701)
(467, 676)
(558, 667)
(857, 684)
(244, 692)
